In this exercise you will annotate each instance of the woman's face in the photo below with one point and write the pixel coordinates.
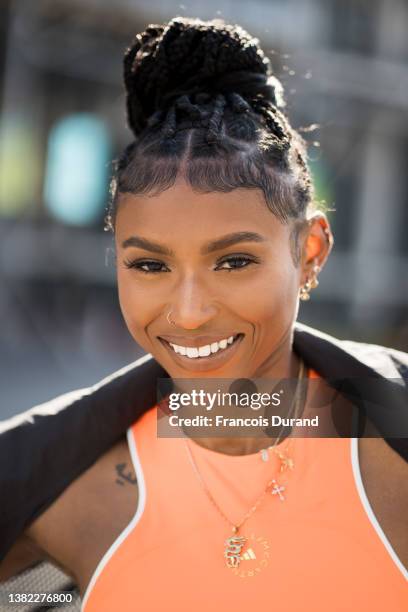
(173, 255)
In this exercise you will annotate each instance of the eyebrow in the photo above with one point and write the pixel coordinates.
(210, 247)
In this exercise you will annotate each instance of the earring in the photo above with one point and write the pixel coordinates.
(311, 283)
(169, 320)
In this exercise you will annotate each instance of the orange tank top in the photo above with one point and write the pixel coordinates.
(320, 548)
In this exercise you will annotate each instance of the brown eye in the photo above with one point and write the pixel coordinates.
(146, 266)
(237, 263)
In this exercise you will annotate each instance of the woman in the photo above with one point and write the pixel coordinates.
(217, 237)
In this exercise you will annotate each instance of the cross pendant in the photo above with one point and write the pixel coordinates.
(277, 490)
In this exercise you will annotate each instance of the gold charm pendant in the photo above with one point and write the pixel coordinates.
(232, 550)
(285, 461)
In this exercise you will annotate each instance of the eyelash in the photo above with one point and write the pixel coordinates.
(137, 264)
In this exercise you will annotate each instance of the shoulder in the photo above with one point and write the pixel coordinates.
(80, 493)
(51, 535)
(71, 527)
(45, 448)
(385, 478)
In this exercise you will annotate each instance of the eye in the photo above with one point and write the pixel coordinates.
(148, 266)
(153, 267)
(238, 262)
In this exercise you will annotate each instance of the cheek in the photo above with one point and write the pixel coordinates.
(134, 304)
(274, 297)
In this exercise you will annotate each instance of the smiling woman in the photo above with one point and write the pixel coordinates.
(213, 149)
(217, 239)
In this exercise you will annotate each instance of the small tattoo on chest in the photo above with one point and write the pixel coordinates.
(124, 475)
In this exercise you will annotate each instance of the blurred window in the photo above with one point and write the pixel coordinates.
(403, 237)
(343, 220)
(335, 173)
(354, 25)
(76, 178)
(19, 165)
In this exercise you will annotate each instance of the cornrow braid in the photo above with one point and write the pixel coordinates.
(215, 122)
(185, 104)
(204, 106)
(238, 104)
(169, 126)
(182, 106)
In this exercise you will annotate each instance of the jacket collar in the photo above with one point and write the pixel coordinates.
(365, 374)
(334, 358)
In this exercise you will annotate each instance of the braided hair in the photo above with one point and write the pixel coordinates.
(203, 105)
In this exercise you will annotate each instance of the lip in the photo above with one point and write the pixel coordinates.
(200, 364)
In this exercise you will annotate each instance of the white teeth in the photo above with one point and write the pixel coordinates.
(202, 351)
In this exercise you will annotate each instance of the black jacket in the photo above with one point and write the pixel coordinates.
(45, 448)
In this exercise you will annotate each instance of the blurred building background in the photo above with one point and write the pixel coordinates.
(344, 66)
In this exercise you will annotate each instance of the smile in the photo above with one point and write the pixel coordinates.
(211, 355)
(193, 352)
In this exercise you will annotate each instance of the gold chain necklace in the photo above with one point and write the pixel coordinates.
(234, 544)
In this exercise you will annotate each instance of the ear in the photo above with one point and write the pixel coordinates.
(317, 243)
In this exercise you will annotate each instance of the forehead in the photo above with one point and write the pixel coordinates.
(181, 213)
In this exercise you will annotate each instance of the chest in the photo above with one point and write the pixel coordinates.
(96, 509)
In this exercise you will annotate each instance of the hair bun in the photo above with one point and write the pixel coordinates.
(188, 56)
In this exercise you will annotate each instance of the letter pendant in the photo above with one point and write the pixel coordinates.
(232, 552)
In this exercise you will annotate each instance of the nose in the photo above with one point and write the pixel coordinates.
(191, 306)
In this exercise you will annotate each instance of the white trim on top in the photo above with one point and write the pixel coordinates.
(369, 511)
(131, 525)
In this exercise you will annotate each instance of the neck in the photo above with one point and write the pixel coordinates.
(287, 368)
(235, 446)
